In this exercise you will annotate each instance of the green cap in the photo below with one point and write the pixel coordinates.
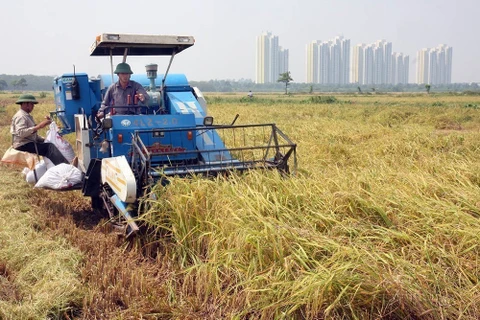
(123, 68)
(26, 98)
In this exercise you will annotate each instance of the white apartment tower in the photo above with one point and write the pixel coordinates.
(312, 63)
(377, 64)
(422, 66)
(434, 65)
(358, 67)
(383, 62)
(400, 67)
(328, 62)
(271, 59)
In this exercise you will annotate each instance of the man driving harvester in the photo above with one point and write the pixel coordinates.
(124, 93)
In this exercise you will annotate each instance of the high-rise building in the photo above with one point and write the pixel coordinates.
(271, 59)
(358, 65)
(423, 66)
(328, 62)
(312, 62)
(369, 63)
(434, 65)
(400, 68)
(383, 62)
(377, 64)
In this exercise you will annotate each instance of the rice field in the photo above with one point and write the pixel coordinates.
(380, 221)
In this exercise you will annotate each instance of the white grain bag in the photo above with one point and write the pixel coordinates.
(62, 145)
(62, 176)
(32, 176)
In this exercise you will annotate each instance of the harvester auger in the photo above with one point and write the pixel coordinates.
(123, 154)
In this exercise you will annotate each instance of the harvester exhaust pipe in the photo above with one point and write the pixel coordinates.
(152, 74)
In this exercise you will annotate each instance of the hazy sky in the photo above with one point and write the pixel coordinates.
(47, 37)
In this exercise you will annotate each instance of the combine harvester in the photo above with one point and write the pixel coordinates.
(122, 156)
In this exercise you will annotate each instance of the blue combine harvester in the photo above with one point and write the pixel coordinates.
(122, 155)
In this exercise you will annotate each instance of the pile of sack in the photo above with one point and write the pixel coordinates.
(62, 176)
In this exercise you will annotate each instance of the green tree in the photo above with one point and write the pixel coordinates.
(22, 83)
(3, 84)
(14, 84)
(285, 78)
(427, 87)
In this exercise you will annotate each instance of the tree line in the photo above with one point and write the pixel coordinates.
(284, 84)
(26, 82)
(16, 84)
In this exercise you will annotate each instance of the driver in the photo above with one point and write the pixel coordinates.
(123, 93)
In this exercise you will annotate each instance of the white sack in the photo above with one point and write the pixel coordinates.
(48, 162)
(39, 170)
(62, 145)
(62, 176)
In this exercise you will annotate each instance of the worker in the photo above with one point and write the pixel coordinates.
(24, 132)
(250, 94)
(123, 93)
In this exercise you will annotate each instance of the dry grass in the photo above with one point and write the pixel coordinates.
(381, 221)
(38, 273)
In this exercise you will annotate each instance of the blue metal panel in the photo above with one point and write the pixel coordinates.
(185, 103)
(67, 104)
(208, 140)
(123, 208)
(154, 139)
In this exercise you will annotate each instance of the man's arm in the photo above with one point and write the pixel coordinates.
(105, 103)
(23, 130)
(142, 93)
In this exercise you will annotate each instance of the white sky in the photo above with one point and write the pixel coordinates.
(47, 37)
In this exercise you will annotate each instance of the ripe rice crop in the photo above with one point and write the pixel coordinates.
(380, 220)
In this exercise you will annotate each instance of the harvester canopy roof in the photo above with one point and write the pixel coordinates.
(116, 44)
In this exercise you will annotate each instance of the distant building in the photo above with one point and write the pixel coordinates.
(383, 62)
(271, 59)
(400, 68)
(328, 62)
(358, 64)
(434, 65)
(376, 64)
(422, 66)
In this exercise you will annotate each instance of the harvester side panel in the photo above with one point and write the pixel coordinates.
(75, 94)
(185, 103)
(82, 141)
